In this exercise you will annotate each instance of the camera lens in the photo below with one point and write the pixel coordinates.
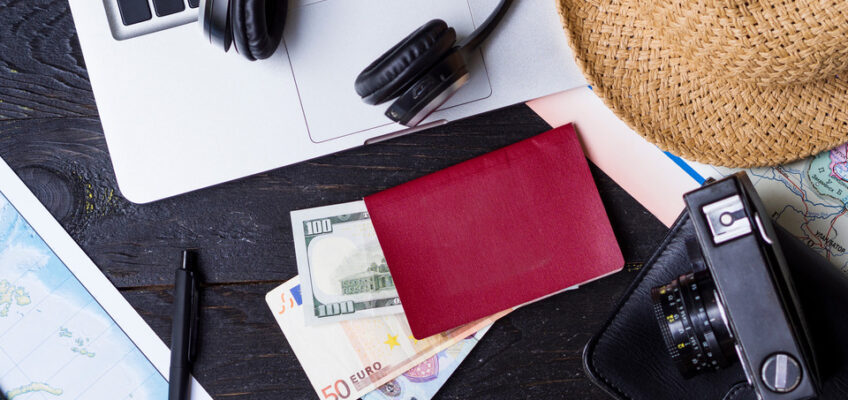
(693, 324)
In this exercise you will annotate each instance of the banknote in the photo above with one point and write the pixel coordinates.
(344, 273)
(348, 359)
(425, 379)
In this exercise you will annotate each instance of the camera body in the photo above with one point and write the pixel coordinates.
(739, 298)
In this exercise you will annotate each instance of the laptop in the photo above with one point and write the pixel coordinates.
(179, 114)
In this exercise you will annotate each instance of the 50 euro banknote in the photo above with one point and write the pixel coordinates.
(348, 359)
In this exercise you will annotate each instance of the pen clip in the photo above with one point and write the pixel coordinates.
(194, 318)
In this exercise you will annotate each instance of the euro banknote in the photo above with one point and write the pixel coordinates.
(348, 359)
(425, 379)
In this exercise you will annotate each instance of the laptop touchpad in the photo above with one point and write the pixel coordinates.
(330, 42)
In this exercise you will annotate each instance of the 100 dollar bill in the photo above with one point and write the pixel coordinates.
(340, 261)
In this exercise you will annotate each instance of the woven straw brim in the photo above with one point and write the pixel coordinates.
(685, 108)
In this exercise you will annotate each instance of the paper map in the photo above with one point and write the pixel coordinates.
(809, 198)
(65, 330)
(55, 339)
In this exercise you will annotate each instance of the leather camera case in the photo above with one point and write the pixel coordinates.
(627, 357)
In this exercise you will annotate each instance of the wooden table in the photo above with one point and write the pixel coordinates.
(50, 134)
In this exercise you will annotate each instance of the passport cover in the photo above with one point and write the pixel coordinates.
(494, 232)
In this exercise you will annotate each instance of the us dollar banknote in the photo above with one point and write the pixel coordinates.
(344, 272)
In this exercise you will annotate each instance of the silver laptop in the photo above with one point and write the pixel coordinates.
(180, 115)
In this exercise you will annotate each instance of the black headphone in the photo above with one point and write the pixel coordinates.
(424, 70)
(255, 27)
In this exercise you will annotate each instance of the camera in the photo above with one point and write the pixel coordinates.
(739, 302)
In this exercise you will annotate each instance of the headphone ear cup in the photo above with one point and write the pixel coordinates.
(397, 69)
(430, 91)
(215, 19)
(237, 28)
(257, 26)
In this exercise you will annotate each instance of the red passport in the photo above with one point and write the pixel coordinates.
(494, 232)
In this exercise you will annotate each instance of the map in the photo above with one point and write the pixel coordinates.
(809, 198)
(56, 341)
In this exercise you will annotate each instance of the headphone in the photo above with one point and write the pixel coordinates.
(422, 71)
(254, 27)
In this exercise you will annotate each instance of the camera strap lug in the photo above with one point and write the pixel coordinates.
(762, 230)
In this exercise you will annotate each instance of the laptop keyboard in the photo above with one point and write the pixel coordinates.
(133, 11)
(131, 18)
(168, 7)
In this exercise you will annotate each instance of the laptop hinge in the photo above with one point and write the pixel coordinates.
(405, 132)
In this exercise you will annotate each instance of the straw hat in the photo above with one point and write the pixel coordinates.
(728, 82)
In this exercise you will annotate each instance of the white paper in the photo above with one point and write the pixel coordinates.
(65, 331)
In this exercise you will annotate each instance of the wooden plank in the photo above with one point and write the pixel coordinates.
(42, 73)
(243, 227)
(242, 353)
(50, 134)
(244, 230)
(535, 352)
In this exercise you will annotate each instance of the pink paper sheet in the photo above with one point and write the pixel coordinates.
(641, 168)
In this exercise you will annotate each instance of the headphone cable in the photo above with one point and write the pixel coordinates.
(480, 34)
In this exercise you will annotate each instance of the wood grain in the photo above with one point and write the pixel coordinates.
(42, 73)
(535, 352)
(243, 226)
(51, 135)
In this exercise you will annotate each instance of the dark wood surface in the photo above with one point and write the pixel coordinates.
(51, 135)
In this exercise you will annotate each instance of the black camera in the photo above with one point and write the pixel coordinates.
(739, 302)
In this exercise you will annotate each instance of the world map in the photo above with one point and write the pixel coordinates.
(809, 198)
(56, 341)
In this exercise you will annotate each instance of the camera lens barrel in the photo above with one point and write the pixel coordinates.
(693, 324)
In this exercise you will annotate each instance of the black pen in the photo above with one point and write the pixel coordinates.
(184, 328)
